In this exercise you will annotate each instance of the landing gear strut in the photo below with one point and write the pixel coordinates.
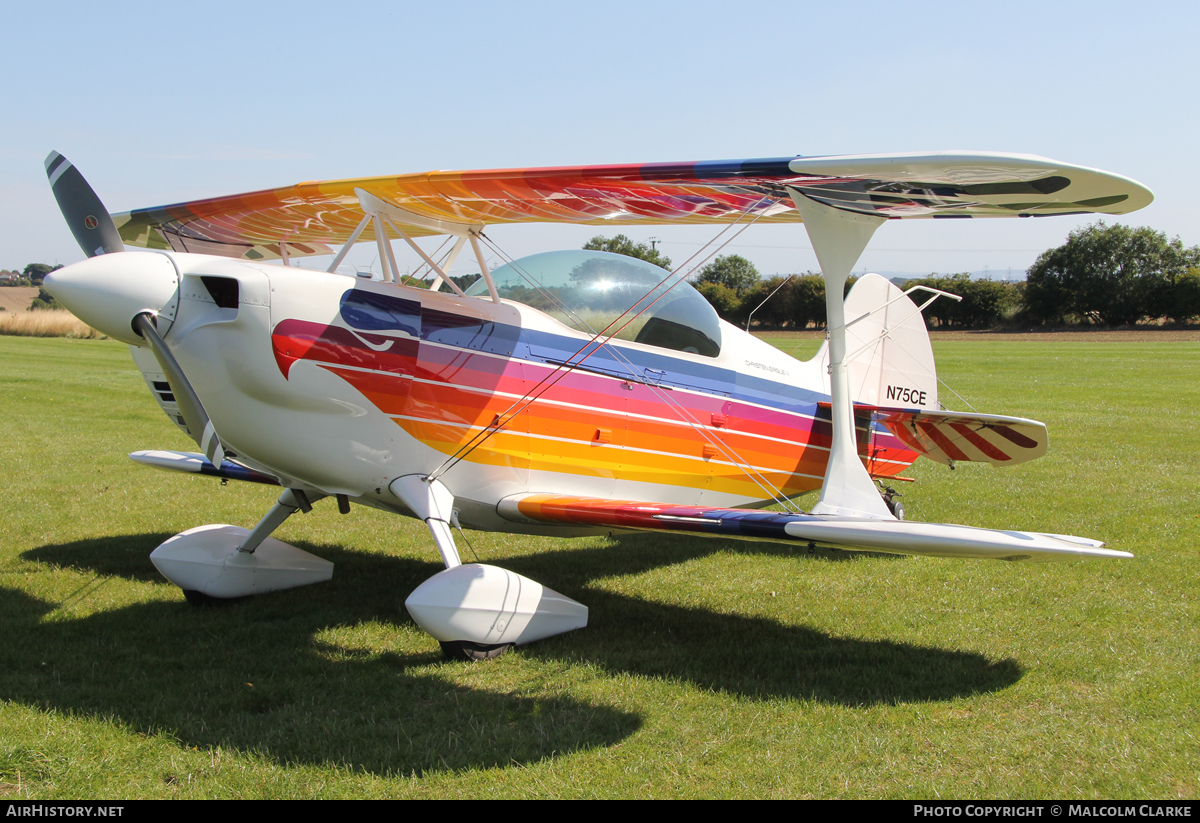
(476, 611)
(214, 563)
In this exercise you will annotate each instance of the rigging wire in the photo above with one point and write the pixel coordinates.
(595, 344)
(913, 358)
(727, 451)
(433, 256)
(558, 373)
(504, 418)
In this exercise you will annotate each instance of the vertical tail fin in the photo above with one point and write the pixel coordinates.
(889, 358)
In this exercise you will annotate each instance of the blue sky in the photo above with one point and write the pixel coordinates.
(158, 103)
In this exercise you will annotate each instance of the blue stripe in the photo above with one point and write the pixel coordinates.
(379, 311)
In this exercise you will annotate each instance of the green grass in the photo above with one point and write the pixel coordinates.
(709, 669)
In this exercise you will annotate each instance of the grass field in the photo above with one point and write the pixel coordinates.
(709, 668)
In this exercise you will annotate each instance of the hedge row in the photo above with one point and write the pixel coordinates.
(1103, 275)
(799, 302)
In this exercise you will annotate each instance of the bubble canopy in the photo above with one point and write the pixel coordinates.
(588, 290)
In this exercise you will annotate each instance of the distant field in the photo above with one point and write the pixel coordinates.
(709, 669)
(16, 298)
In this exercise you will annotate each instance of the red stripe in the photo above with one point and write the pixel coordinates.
(1016, 437)
(978, 442)
(943, 442)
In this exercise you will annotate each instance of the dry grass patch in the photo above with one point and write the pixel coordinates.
(52, 323)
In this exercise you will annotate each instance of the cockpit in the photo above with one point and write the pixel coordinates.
(588, 290)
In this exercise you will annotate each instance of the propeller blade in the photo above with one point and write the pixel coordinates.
(89, 221)
(199, 425)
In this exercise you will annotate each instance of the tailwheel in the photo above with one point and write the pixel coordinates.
(892, 498)
(466, 650)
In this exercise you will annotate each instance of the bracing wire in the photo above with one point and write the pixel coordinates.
(568, 366)
(685, 415)
(723, 448)
(599, 340)
(751, 472)
(418, 272)
(924, 367)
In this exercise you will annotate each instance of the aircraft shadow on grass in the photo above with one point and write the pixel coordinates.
(168, 667)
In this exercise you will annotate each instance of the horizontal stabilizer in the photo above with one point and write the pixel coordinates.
(193, 463)
(947, 436)
(891, 536)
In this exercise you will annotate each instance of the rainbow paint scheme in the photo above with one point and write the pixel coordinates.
(443, 377)
(308, 217)
(572, 395)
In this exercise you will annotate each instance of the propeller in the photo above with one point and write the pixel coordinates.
(89, 221)
(97, 234)
(199, 425)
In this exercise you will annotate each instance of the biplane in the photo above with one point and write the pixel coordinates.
(566, 393)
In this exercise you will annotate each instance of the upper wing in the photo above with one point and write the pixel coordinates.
(310, 216)
(893, 536)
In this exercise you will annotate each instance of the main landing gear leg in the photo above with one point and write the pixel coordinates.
(221, 562)
(476, 611)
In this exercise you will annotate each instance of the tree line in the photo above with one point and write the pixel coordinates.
(798, 301)
(31, 275)
(1114, 276)
(1102, 275)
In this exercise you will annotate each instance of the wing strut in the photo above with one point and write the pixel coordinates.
(446, 263)
(382, 214)
(341, 255)
(838, 238)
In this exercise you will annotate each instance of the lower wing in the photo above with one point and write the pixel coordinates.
(892, 536)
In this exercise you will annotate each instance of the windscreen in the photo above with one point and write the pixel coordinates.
(588, 290)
